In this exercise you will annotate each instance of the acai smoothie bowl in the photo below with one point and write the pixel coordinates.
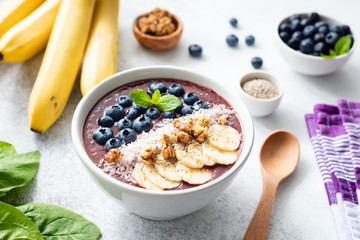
(164, 141)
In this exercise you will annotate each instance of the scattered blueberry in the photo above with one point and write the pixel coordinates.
(131, 113)
(153, 112)
(169, 114)
(124, 123)
(323, 29)
(297, 34)
(331, 38)
(157, 85)
(285, 36)
(105, 121)
(319, 37)
(257, 62)
(124, 101)
(127, 135)
(102, 134)
(232, 40)
(313, 17)
(142, 123)
(233, 22)
(178, 109)
(138, 108)
(307, 45)
(309, 31)
(200, 104)
(294, 43)
(186, 110)
(321, 47)
(250, 40)
(195, 50)
(176, 90)
(285, 27)
(116, 112)
(190, 98)
(112, 143)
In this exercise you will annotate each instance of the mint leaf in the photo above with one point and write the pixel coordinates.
(156, 97)
(141, 98)
(343, 45)
(168, 102)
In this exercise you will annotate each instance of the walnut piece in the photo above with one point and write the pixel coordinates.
(202, 137)
(222, 119)
(196, 127)
(113, 155)
(182, 126)
(157, 22)
(168, 150)
(148, 153)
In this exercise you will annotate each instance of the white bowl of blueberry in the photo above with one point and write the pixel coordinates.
(162, 140)
(315, 44)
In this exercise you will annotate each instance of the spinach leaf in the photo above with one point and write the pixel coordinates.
(58, 223)
(15, 225)
(6, 149)
(17, 170)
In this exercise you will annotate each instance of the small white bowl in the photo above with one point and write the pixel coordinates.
(256, 106)
(313, 65)
(159, 205)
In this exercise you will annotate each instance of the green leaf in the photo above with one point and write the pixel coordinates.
(58, 223)
(156, 97)
(6, 149)
(17, 170)
(141, 98)
(343, 45)
(168, 102)
(15, 225)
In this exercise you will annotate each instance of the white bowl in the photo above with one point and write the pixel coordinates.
(256, 106)
(313, 65)
(159, 205)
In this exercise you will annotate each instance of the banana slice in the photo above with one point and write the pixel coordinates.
(167, 169)
(219, 156)
(195, 149)
(195, 175)
(139, 176)
(153, 176)
(223, 137)
(187, 158)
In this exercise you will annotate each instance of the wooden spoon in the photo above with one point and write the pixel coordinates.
(279, 156)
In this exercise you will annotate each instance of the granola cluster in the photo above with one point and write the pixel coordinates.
(113, 155)
(158, 22)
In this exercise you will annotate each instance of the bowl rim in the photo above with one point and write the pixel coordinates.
(77, 133)
(316, 58)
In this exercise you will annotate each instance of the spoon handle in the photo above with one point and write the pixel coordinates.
(259, 224)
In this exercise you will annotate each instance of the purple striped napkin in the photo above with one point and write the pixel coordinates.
(335, 136)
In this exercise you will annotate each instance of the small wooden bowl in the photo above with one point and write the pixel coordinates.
(158, 43)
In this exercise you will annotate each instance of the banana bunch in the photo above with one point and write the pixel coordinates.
(192, 161)
(69, 30)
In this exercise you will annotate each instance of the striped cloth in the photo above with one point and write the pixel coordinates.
(335, 136)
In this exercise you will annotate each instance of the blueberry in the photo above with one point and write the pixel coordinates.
(306, 45)
(116, 112)
(331, 38)
(102, 134)
(313, 17)
(124, 123)
(178, 109)
(250, 40)
(285, 36)
(323, 29)
(320, 23)
(112, 143)
(294, 43)
(294, 16)
(131, 113)
(304, 22)
(105, 121)
(257, 62)
(296, 25)
(345, 29)
(297, 34)
(232, 40)
(142, 123)
(195, 50)
(319, 37)
(163, 94)
(309, 31)
(138, 108)
(285, 27)
(124, 101)
(127, 135)
(200, 104)
(233, 22)
(153, 112)
(352, 40)
(176, 90)
(190, 98)
(169, 114)
(186, 110)
(157, 85)
(336, 28)
(321, 47)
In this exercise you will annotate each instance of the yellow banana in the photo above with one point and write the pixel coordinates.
(101, 52)
(60, 64)
(13, 11)
(30, 36)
